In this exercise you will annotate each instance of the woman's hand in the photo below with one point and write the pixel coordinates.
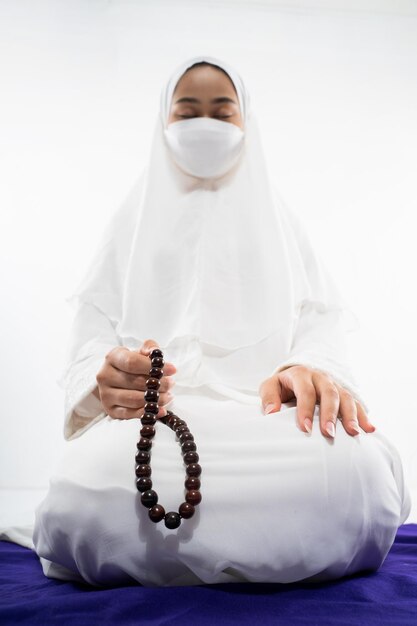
(121, 381)
(311, 387)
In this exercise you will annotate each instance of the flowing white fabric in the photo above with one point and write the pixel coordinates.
(223, 276)
(278, 505)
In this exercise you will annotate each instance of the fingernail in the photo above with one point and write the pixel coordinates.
(269, 407)
(355, 426)
(330, 428)
(308, 424)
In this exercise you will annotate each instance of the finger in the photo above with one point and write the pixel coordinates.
(133, 362)
(329, 403)
(130, 398)
(148, 345)
(348, 412)
(127, 398)
(121, 412)
(147, 348)
(305, 393)
(363, 420)
(112, 377)
(128, 361)
(270, 392)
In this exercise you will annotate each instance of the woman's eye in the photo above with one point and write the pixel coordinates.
(220, 116)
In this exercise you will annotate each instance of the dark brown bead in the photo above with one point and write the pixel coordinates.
(143, 483)
(193, 469)
(156, 372)
(193, 497)
(152, 383)
(142, 456)
(151, 407)
(182, 429)
(149, 498)
(151, 395)
(147, 431)
(185, 437)
(172, 519)
(143, 470)
(145, 444)
(158, 361)
(192, 482)
(148, 418)
(186, 510)
(179, 423)
(156, 513)
(155, 352)
(188, 446)
(191, 457)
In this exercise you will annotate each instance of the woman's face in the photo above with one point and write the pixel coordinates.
(205, 91)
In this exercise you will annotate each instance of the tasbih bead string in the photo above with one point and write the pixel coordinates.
(143, 471)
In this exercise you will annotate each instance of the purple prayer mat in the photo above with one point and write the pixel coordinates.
(387, 597)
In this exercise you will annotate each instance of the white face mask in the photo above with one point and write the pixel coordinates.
(203, 146)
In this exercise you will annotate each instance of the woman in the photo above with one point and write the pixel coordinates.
(204, 260)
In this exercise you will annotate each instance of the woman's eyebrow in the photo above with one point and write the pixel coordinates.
(214, 101)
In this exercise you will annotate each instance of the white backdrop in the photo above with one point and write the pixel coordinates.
(334, 85)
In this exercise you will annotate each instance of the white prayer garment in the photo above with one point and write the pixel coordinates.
(205, 258)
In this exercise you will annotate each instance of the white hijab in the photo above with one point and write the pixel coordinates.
(215, 270)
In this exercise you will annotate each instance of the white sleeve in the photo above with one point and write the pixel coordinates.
(92, 336)
(320, 342)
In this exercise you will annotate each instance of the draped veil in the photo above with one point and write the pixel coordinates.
(215, 270)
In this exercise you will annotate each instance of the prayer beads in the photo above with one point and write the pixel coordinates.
(143, 471)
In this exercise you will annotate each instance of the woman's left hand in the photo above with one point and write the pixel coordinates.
(311, 387)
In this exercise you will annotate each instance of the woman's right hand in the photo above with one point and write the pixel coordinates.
(121, 382)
